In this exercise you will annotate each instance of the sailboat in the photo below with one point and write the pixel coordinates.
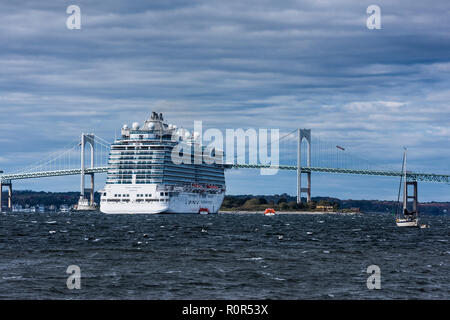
(406, 218)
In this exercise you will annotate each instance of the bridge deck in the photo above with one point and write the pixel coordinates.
(428, 177)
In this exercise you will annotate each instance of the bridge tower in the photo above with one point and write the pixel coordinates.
(1, 191)
(407, 197)
(303, 134)
(83, 203)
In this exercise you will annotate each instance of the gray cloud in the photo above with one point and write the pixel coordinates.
(232, 64)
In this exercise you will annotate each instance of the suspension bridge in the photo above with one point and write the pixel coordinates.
(298, 151)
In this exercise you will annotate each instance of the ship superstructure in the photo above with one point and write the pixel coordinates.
(144, 176)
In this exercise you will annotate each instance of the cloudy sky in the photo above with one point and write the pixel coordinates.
(233, 64)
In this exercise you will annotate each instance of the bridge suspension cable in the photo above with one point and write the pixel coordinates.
(67, 158)
(326, 156)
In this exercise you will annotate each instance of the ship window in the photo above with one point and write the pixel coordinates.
(104, 193)
(161, 200)
(162, 193)
(167, 193)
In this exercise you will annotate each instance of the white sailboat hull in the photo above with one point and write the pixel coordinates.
(407, 223)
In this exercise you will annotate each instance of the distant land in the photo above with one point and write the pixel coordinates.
(281, 202)
(285, 202)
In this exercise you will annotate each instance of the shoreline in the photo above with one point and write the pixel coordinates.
(288, 212)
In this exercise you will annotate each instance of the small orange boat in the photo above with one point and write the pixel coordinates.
(269, 212)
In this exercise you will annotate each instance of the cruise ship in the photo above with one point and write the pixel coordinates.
(143, 177)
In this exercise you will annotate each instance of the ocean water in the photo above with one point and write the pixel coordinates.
(224, 256)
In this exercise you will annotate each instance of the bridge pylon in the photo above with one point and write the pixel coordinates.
(303, 134)
(83, 203)
(6, 183)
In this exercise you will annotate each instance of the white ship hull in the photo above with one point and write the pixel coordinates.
(159, 202)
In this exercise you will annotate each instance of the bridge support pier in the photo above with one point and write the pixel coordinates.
(10, 196)
(9, 185)
(303, 134)
(91, 194)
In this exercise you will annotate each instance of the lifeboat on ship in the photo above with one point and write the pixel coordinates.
(203, 211)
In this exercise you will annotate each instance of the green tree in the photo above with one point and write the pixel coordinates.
(311, 205)
(262, 200)
(323, 203)
(252, 203)
(292, 205)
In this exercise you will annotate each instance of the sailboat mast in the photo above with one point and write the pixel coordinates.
(405, 185)
(397, 207)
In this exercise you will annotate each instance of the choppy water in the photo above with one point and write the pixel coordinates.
(225, 256)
